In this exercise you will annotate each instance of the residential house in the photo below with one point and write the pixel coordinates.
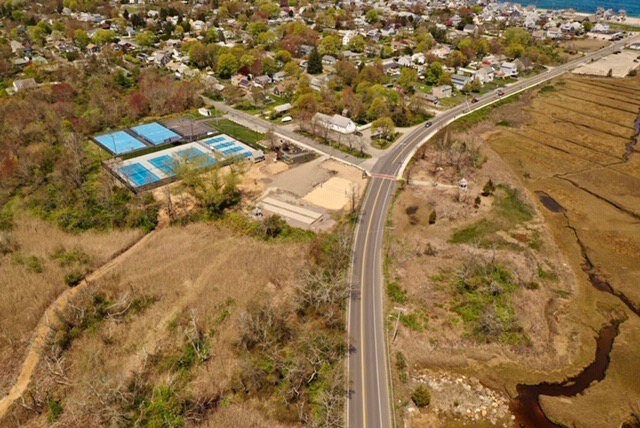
(262, 81)
(318, 82)
(93, 49)
(442, 91)
(328, 59)
(279, 76)
(283, 108)
(459, 81)
(240, 81)
(337, 123)
(390, 66)
(510, 69)
(24, 84)
(470, 29)
(524, 64)
(486, 74)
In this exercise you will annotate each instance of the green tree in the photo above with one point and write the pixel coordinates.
(379, 108)
(267, 39)
(292, 69)
(257, 27)
(269, 65)
(148, 38)
(227, 65)
(314, 63)
(433, 73)
(330, 45)
(357, 43)
(283, 56)
(372, 16)
(198, 55)
(408, 78)
(346, 71)
(421, 396)
(384, 126)
(432, 217)
(488, 188)
(80, 38)
(102, 37)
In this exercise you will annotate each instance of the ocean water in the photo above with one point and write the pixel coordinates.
(588, 6)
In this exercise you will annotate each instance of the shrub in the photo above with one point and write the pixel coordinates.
(421, 396)
(488, 188)
(55, 410)
(396, 293)
(73, 278)
(432, 217)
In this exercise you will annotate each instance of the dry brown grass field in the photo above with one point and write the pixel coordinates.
(187, 277)
(568, 141)
(32, 278)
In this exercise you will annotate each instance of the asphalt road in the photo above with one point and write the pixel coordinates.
(369, 400)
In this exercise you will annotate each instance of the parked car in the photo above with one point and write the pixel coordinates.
(474, 100)
(500, 92)
(428, 124)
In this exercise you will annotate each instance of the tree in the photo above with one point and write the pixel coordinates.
(330, 45)
(383, 126)
(357, 43)
(372, 16)
(102, 37)
(488, 188)
(148, 38)
(472, 85)
(292, 69)
(432, 217)
(433, 73)
(407, 79)
(272, 226)
(283, 56)
(421, 396)
(346, 71)
(314, 63)
(227, 65)
(80, 38)
(378, 108)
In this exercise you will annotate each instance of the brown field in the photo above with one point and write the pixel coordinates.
(570, 145)
(32, 280)
(196, 275)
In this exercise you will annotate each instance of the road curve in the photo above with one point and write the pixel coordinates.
(368, 401)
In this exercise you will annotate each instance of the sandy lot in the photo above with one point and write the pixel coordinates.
(333, 194)
(619, 64)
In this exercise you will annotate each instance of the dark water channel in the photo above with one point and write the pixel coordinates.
(526, 407)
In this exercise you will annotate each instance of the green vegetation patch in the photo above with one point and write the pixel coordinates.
(508, 211)
(239, 132)
(482, 297)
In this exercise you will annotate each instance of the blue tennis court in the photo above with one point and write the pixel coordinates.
(138, 174)
(164, 163)
(220, 146)
(197, 156)
(156, 133)
(119, 142)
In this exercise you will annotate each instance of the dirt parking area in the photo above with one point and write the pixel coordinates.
(306, 195)
(618, 64)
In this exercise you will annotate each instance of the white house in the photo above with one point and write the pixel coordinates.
(337, 123)
(510, 69)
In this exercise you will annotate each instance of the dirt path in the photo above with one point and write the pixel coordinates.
(45, 325)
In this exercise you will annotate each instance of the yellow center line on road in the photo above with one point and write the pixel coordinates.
(362, 283)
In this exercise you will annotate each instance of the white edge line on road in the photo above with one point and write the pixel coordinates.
(348, 326)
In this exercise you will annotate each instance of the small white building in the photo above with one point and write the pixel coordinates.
(510, 69)
(337, 123)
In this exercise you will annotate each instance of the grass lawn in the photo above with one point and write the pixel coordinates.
(239, 132)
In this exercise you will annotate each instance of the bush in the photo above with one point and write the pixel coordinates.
(421, 396)
(55, 410)
(396, 293)
(73, 278)
(432, 217)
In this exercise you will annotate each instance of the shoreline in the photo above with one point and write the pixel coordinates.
(630, 20)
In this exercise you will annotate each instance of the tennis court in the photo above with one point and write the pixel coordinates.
(138, 175)
(119, 142)
(188, 127)
(228, 146)
(196, 156)
(165, 163)
(156, 133)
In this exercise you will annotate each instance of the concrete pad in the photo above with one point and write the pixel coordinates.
(619, 64)
(333, 194)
